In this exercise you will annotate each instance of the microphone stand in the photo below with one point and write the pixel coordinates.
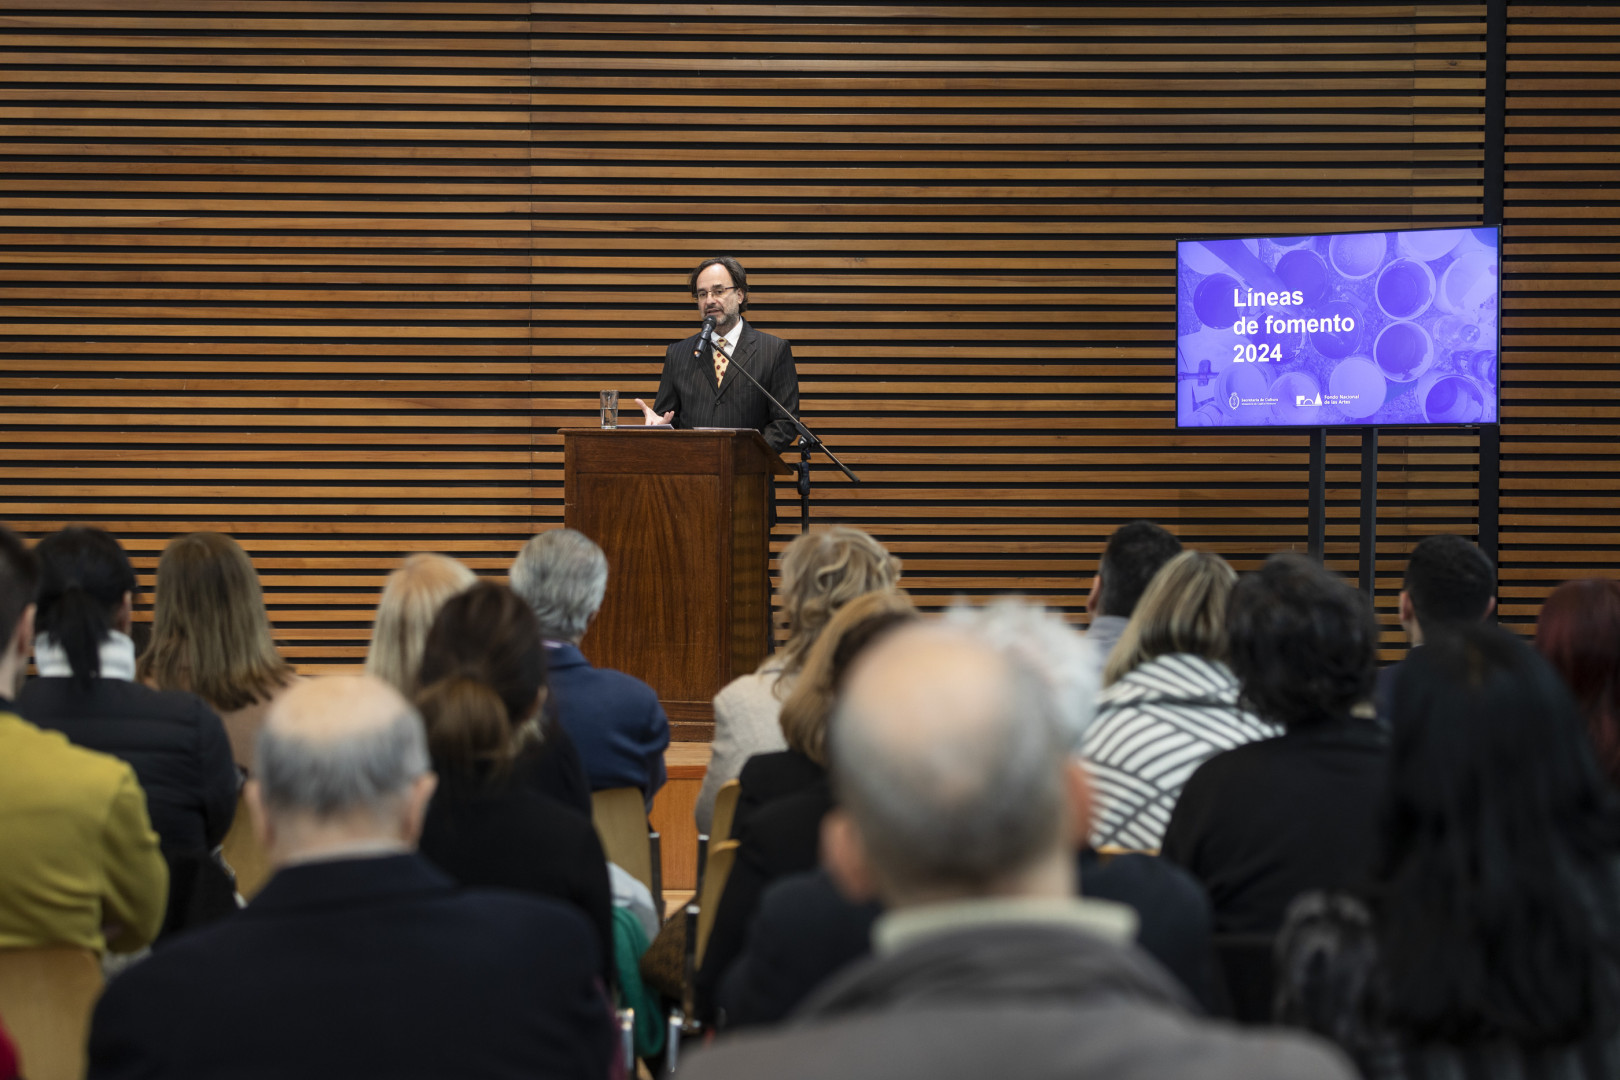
(807, 443)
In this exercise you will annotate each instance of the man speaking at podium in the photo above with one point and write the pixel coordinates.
(700, 386)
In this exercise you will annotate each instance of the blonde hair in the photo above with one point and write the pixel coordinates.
(822, 570)
(1183, 610)
(806, 711)
(210, 632)
(411, 598)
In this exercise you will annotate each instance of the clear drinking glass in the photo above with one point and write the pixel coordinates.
(610, 408)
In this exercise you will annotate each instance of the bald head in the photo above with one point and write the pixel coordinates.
(339, 746)
(949, 759)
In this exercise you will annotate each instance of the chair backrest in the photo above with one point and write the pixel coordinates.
(725, 811)
(244, 855)
(46, 997)
(721, 858)
(1249, 972)
(620, 816)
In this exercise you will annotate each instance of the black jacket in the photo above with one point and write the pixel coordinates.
(687, 386)
(355, 968)
(174, 742)
(502, 835)
(780, 839)
(1261, 824)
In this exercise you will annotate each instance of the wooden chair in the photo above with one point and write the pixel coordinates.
(1106, 852)
(620, 817)
(244, 855)
(725, 812)
(46, 997)
(721, 858)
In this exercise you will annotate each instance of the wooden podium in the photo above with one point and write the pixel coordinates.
(684, 519)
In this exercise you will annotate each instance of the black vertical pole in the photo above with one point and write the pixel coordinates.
(1490, 490)
(1496, 12)
(1490, 436)
(1369, 511)
(1494, 198)
(1316, 510)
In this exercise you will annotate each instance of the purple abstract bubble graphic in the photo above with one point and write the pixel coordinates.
(1382, 328)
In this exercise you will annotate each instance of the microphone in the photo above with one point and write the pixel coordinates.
(708, 333)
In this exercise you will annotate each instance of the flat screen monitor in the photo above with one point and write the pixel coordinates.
(1349, 329)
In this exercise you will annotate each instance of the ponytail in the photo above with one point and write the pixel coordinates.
(85, 576)
(77, 623)
(467, 724)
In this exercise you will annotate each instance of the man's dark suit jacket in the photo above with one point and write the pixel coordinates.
(688, 387)
(374, 967)
(614, 719)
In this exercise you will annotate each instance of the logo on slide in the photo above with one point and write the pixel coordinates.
(1232, 402)
(1307, 399)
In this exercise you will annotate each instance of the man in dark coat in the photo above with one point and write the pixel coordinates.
(359, 959)
(959, 807)
(698, 387)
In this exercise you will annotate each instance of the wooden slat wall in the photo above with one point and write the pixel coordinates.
(1561, 462)
(330, 275)
(266, 270)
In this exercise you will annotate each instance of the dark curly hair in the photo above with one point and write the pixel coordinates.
(1302, 643)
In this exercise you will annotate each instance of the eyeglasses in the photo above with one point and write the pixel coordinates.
(719, 294)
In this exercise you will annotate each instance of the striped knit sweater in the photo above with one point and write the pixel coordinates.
(1153, 728)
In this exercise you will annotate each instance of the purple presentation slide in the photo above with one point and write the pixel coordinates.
(1380, 328)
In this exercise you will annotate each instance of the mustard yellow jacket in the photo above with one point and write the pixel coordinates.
(79, 862)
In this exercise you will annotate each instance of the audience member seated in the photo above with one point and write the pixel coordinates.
(1262, 823)
(174, 742)
(1169, 703)
(1134, 554)
(821, 571)
(615, 719)
(768, 777)
(483, 685)
(359, 958)
(212, 636)
(1578, 631)
(960, 807)
(1448, 580)
(782, 836)
(411, 599)
(1488, 942)
(79, 862)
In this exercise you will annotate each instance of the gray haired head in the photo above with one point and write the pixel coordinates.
(338, 746)
(1050, 646)
(948, 752)
(562, 575)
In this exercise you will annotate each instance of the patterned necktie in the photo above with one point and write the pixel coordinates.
(721, 360)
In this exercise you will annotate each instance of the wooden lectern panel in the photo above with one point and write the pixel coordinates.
(683, 518)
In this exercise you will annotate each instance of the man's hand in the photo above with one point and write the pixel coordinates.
(652, 418)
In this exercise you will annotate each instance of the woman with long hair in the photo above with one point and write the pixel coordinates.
(822, 570)
(1578, 631)
(1170, 702)
(211, 635)
(1488, 941)
(86, 689)
(785, 794)
(482, 684)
